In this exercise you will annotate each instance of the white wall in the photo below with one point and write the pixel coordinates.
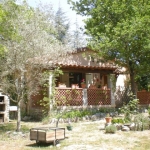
(121, 80)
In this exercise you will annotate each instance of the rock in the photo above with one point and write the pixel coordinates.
(114, 114)
(87, 117)
(98, 115)
(132, 126)
(83, 118)
(58, 145)
(53, 120)
(119, 126)
(51, 146)
(15, 133)
(94, 118)
(103, 115)
(73, 120)
(8, 132)
(61, 120)
(76, 119)
(125, 128)
(26, 118)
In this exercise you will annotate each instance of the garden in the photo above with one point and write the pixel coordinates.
(129, 128)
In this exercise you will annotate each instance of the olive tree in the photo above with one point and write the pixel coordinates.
(33, 47)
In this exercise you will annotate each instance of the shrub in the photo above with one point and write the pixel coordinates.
(111, 129)
(129, 109)
(142, 122)
(118, 120)
(149, 110)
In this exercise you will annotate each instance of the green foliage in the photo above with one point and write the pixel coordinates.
(111, 129)
(149, 110)
(45, 120)
(30, 47)
(7, 127)
(69, 127)
(6, 28)
(47, 101)
(76, 113)
(118, 120)
(143, 82)
(79, 113)
(129, 109)
(106, 110)
(11, 127)
(142, 122)
(120, 31)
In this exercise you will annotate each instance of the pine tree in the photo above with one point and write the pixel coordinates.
(62, 26)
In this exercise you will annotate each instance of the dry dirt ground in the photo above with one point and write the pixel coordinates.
(84, 136)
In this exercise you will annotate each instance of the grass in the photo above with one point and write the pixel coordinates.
(85, 135)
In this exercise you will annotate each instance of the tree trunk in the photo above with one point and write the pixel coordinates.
(132, 83)
(18, 117)
(50, 94)
(132, 79)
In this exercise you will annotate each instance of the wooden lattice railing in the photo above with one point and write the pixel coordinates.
(74, 97)
(69, 97)
(98, 97)
(144, 97)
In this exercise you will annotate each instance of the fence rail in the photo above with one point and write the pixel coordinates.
(98, 97)
(144, 97)
(74, 97)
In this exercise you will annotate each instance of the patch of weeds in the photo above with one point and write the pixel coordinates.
(12, 127)
(24, 128)
(75, 113)
(46, 120)
(7, 127)
(141, 122)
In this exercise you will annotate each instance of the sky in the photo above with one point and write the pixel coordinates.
(65, 7)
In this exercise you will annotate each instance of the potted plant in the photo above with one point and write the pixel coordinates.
(83, 84)
(108, 118)
(69, 127)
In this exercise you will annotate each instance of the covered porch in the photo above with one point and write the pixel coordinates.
(79, 66)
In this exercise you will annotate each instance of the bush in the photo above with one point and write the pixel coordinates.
(142, 122)
(149, 110)
(130, 109)
(111, 129)
(118, 120)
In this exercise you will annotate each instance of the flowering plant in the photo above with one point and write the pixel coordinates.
(83, 81)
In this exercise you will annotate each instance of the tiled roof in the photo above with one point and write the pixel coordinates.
(77, 60)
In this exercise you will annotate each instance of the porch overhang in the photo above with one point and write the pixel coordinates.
(87, 69)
